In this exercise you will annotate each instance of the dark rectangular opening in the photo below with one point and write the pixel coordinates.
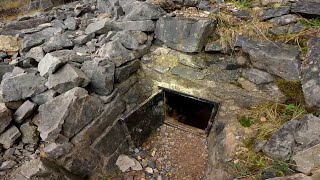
(188, 111)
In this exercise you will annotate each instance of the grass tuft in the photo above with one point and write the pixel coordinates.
(292, 90)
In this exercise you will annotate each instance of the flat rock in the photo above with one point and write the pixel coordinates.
(278, 59)
(24, 111)
(256, 76)
(307, 160)
(7, 165)
(9, 44)
(101, 73)
(83, 38)
(99, 27)
(306, 8)
(284, 20)
(273, 12)
(44, 97)
(310, 74)
(124, 163)
(184, 34)
(67, 78)
(146, 25)
(131, 40)
(22, 86)
(5, 117)
(9, 137)
(138, 11)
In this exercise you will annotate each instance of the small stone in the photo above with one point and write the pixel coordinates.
(137, 166)
(149, 170)
(24, 111)
(125, 162)
(263, 119)
(9, 137)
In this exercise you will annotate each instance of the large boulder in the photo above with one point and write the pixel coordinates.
(22, 86)
(276, 58)
(67, 78)
(309, 8)
(310, 74)
(67, 114)
(101, 74)
(184, 34)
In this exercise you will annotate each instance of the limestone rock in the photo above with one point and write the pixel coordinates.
(278, 59)
(67, 78)
(29, 133)
(184, 34)
(307, 160)
(310, 74)
(5, 117)
(9, 44)
(306, 8)
(24, 111)
(101, 75)
(22, 86)
(256, 76)
(9, 137)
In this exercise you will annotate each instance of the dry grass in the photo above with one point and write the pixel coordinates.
(10, 9)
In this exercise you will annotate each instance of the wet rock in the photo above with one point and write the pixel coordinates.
(67, 78)
(35, 53)
(281, 143)
(273, 12)
(29, 133)
(278, 59)
(256, 76)
(307, 160)
(9, 137)
(174, 33)
(116, 52)
(137, 11)
(5, 117)
(146, 25)
(306, 8)
(188, 73)
(9, 44)
(101, 74)
(99, 27)
(68, 114)
(22, 86)
(310, 74)
(24, 111)
(44, 97)
(7, 165)
(71, 23)
(123, 72)
(124, 163)
(57, 42)
(284, 20)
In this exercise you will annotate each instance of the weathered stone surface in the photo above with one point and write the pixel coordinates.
(138, 11)
(116, 52)
(273, 12)
(26, 24)
(284, 20)
(187, 73)
(307, 131)
(99, 27)
(256, 76)
(4, 68)
(146, 25)
(24, 111)
(29, 42)
(124, 162)
(310, 74)
(83, 38)
(44, 97)
(131, 40)
(299, 176)
(22, 86)
(9, 137)
(308, 159)
(68, 114)
(184, 34)
(9, 44)
(101, 74)
(29, 133)
(49, 64)
(57, 43)
(281, 143)
(60, 147)
(7, 165)
(71, 23)
(123, 72)
(309, 8)
(35, 53)
(5, 117)
(278, 59)
(67, 78)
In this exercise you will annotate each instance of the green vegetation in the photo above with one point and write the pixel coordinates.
(245, 122)
(311, 23)
(292, 90)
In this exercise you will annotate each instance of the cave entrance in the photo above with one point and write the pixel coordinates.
(188, 112)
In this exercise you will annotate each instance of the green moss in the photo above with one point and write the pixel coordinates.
(245, 122)
(311, 23)
(292, 90)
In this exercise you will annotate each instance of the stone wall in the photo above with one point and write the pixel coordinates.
(72, 75)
